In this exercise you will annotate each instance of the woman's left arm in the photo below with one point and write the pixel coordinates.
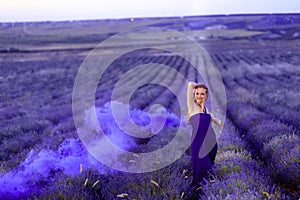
(218, 122)
(214, 119)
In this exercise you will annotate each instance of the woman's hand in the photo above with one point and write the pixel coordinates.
(192, 84)
(217, 122)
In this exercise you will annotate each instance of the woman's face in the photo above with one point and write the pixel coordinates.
(200, 95)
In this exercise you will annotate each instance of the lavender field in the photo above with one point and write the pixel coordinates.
(43, 157)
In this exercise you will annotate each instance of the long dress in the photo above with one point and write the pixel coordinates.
(201, 123)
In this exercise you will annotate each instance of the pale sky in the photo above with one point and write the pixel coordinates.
(55, 10)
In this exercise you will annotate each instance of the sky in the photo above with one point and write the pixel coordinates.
(57, 10)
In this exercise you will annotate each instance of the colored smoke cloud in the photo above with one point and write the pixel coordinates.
(71, 153)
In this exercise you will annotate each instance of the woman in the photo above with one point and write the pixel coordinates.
(204, 145)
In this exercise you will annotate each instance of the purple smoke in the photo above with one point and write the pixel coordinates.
(21, 181)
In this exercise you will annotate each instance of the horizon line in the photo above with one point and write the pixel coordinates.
(151, 17)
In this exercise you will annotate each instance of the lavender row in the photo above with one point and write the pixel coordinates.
(263, 102)
(263, 134)
(279, 98)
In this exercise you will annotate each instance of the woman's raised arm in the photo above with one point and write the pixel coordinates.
(190, 95)
(190, 98)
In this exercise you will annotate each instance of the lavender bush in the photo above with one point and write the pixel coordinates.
(282, 155)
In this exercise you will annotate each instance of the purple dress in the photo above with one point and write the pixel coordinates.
(203, 160)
